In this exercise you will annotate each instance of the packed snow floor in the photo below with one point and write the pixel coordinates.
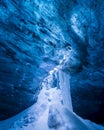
(48, 113)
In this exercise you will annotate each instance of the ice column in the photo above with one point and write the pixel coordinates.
(64, 82)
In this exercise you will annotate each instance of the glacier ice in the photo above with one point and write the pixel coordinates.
(39, 37)
(64, 80)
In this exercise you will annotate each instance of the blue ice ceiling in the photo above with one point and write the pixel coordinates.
(35, 36)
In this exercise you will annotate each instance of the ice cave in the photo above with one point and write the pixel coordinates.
(51, 65)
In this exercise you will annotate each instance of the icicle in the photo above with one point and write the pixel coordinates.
(64, 81)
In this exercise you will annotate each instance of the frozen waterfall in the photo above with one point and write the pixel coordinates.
(64, 81)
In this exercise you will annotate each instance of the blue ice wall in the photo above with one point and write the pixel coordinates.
(35, 35)
(82, 25)
(28, 38)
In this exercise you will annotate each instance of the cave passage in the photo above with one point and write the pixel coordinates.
(51, 64)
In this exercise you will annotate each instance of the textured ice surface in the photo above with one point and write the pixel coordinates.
(34, 37)
(64, 81)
